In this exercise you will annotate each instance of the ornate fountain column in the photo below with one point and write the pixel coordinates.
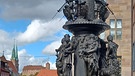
(86, 21)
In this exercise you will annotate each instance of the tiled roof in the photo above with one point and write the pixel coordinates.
(33, 67)
(3, 58)
(46, 72)
(11, 65)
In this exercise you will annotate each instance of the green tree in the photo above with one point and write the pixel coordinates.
(36, 74)
(31, 75)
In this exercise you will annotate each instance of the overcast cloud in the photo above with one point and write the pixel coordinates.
(29, 9)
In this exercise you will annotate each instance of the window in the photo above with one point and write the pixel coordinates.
(116, 28)
(102, 35)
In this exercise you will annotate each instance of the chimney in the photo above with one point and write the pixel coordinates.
(47, 65)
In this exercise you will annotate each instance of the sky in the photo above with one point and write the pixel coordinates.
(30, 23)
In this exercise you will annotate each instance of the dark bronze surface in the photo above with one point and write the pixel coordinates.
(92, 55)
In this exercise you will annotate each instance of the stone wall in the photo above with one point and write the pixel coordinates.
(122, 10)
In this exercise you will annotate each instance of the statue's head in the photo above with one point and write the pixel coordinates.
(66, 6)
(110, 38)
(66, 36)
(73, 38)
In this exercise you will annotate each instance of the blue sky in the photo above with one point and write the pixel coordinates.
(30, 23)
(12, 26)
(21, 26)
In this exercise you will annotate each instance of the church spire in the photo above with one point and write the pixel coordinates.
(14, 57)
(3, 53)
(14, 51)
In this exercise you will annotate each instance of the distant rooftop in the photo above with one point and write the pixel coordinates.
(33, 67)
(46, 72)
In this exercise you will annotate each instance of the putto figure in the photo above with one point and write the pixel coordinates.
(113, 68)
(64, 56)
(112, 48)
(79, 9)
(60, 64)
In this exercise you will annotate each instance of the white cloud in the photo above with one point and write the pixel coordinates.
(37, 31)
(27, 59)
(50, 49)
(40, 30)
(53, 65)
(6, 42)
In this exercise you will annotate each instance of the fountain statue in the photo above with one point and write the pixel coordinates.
(92, 55)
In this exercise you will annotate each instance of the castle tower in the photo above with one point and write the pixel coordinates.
(14, 57)
(48, 65)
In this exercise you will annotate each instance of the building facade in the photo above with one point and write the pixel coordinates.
(7, 68)
(4, 69)
(31, 70)
(122, 25)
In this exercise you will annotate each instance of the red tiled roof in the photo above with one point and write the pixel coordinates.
(33, 67)
(11, 65)
(46, 72)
